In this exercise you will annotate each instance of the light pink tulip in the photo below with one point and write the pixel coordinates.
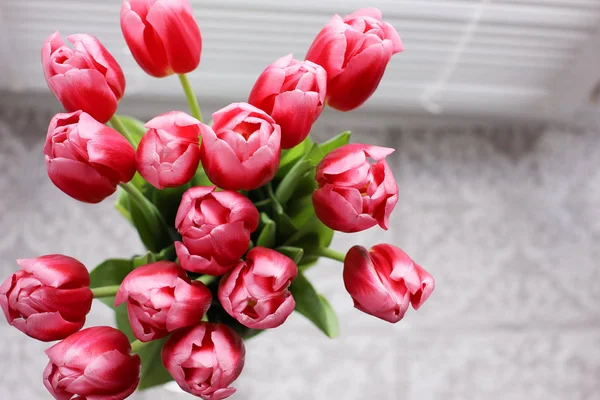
(384, 281)
(293, 93)
(168, 154)
(215, 227)
(256, 291)
(86, 78)
(353, 193)
(163, 35)
(93, 364)
(161, 298)
(354, 51)
(49, 298)
(204, 360)
(86, 159)
(242, 149)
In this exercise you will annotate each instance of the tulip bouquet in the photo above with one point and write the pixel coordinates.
(232, 213)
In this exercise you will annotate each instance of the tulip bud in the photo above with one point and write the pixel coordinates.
(94, 363)
(205, 359)
(293, 93)
(384, 281)
(354, 51)
(242, 149)
(161, 298)
(49, 298)
(256, 291)
(215, 229)
(86, 78)
(354, 194)
(163, 36)
(86, 159)
(168, 154)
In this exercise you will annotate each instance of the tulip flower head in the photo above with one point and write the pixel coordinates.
(163, 35)
(86, 159)
(293, 93)
(355, 194)
(215, 227)
(383, 281)
(355, 51)
(205, 359)
(95, 363)
(161, 298)
(86, 78)
(242, 148)
(256, 291)
(49, 298)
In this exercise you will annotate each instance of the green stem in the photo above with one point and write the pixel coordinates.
(116, 123)
(135, 194)
(206, 279)
(137, 346)
(191, 97)
(330, 253)
(105, 291)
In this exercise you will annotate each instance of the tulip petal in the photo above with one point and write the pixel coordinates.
(79, 180)
(56, 270)
(329, 47)
(295, 113)
(175, 25)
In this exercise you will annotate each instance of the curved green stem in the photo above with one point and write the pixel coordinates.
(115, 123)
(330, 253)
(105, 291)
(190, 96)
(137, 346)
(135, 194)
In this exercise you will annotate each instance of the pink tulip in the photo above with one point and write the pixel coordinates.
(256, 291)
(49, 298)
(93, 364)
(161, 298)
(293, 93)
(354, 51)
(354, 194)
(384, 281)
(205, 360)
(86, 78)
(163, 35)
(242, 149)
(168, 154)
(86, 159)
(215, 229)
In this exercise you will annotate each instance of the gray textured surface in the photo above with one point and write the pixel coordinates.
(507, 220)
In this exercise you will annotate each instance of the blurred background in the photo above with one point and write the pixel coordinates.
(494, 112)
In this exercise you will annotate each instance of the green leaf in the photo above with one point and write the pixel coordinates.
(291, 156)
(147, 258)
(335, 142)
(267, 236)
(200, 179)
(167, 201)
(123, 321)
(314, 306)
(122, 205)
(295, 253)
(150, 226)
(110, 272)
(153, 372)
(135, 127)
(311, 236)
(286, 187)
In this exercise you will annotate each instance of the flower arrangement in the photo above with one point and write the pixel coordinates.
(232, 213)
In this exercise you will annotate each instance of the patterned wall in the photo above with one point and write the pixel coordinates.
(507, 220)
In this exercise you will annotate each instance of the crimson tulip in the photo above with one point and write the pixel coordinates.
(242, 149)
(205, 359)
(49, 298)
(354, 51)
(383, 281)
(354, 194)
(86, 78)
(93, 364)
(86, 159)
(215, 227)
(256, 291)
(163, 35)
(161, 298)
(168, 154)
(293, 93)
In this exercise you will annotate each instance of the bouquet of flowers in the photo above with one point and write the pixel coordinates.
(232, 212)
